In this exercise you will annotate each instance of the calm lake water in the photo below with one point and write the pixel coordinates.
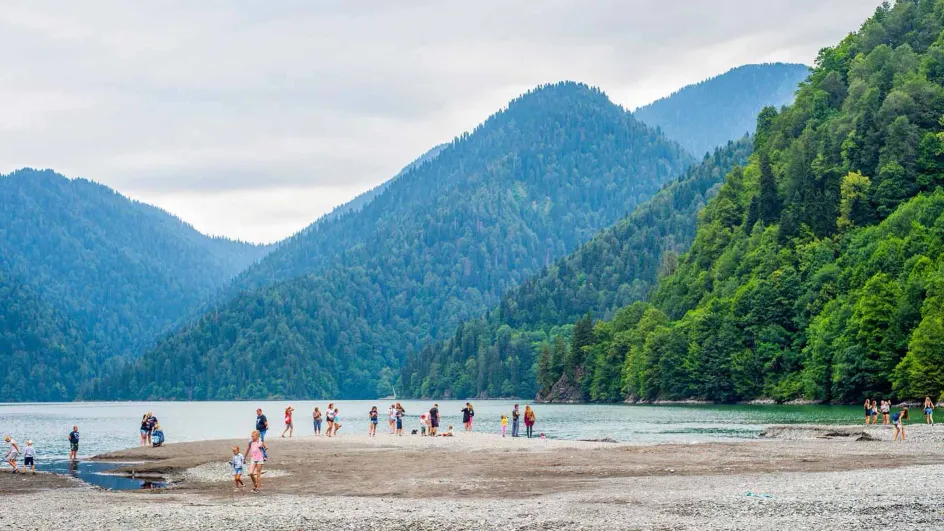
(108, 426)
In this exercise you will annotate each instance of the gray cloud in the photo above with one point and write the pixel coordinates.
(251, 119)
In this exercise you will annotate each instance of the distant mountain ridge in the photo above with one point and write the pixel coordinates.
(365, 198)
(117, 271)
(712, 112)
(334, 310)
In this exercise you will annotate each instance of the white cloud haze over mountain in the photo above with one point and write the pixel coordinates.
(250, 119)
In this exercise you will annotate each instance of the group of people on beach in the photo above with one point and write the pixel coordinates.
(874, 408)
(29, 451)
(151, 432)
(256, 452)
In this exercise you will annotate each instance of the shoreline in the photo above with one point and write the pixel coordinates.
(807, 474)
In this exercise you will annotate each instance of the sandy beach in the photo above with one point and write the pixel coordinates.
(798, 477)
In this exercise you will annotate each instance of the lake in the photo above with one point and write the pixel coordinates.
(108, 426)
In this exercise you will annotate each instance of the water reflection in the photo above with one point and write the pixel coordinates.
(93, 473)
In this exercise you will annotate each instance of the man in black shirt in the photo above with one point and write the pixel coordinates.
(434, 420)
(262, 424)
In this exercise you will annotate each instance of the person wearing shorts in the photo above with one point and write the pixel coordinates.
(255, 453)
(13, 453)
(29, 457)
(289, 425)
(373, 416)
(74, 443)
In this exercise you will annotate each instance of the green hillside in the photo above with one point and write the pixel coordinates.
(90, 277)
(496, 355)
(442, 243)
(817, 272)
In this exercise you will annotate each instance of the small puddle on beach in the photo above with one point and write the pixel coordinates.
(93, 473)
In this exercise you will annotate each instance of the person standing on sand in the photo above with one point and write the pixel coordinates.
(515, 417)
(255, 453)
(885, 409)
(868, 407)
(374, 417)
(289, 425)
(504, 424)
(73, 443)
(29, 457)
(874, 412)
(316, 419)
(898, 420)
(467, 415)
(434, 420)
(12, 453)
(329, 419)
(144, 429)
(400, 414)
(928, 411)
(262, 424)
(335, 424)
(392, 419)
(529, 421)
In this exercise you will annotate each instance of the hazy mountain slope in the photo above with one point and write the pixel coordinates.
(440, 245)
(120, 270)
(495, 356)
(363, 199)
(708, 114)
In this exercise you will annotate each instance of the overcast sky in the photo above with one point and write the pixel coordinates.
(250, 119)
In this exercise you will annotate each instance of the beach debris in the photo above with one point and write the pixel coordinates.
(750, 494)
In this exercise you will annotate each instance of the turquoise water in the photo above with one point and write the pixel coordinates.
(109, 426)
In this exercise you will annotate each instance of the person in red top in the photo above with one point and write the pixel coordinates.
(289, 426)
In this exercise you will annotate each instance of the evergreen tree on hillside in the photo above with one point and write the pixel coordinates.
(617, 267)
(830, 295)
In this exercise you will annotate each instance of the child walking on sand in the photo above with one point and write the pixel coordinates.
(237, 463)
(504, 424)
(423, 424)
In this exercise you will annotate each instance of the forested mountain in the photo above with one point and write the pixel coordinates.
(440, 245)
(495, 355)
(708, 114)
(818, 271)
(111, 270)
(46, 357)
(312, 249)
(363, 199)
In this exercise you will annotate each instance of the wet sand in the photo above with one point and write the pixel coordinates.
(802, 476)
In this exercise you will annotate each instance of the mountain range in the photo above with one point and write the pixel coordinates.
(706, 115)
(338, 309)
(439, 245)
